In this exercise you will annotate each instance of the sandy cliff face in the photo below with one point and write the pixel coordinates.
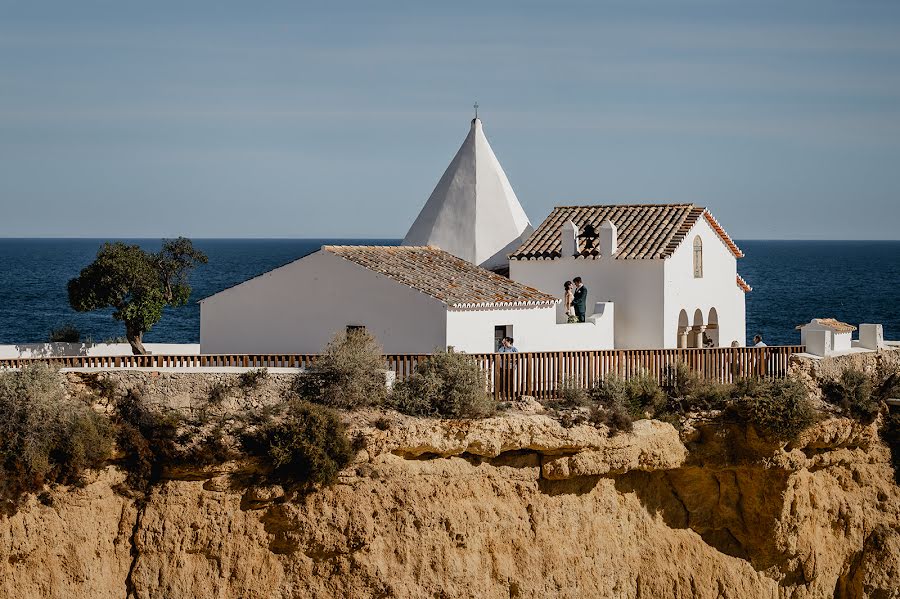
(515, 506)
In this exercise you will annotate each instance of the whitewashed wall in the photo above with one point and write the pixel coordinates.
(47, 350)
(299, 307)
(533, 329)
(634, 286)
(832, 341)
(716, 289)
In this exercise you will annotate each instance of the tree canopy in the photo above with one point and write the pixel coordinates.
(136, 283)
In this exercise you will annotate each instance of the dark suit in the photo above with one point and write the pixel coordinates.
(579, 300)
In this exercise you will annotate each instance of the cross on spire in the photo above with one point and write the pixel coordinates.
(475, 106)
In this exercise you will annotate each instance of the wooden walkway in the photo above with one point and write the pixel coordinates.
(509, 375)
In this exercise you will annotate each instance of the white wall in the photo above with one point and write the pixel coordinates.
(46, 350)
(812, 333)
(299, 307)
(634, 286)
(716, 289)
(533, 329)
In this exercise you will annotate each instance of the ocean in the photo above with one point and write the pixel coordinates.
(793, 281)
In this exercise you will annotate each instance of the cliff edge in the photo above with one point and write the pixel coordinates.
(511, 506)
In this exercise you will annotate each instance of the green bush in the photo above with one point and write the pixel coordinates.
(638, 396)
(572, 394)
(615, 404)
(853, 392)
(687, 391)
(447, 384)
(778, 408)
(614, 416)
(250, 379)
(349, 374)
(309, 445)
(152, 441)
(45, 437)
(67, 333)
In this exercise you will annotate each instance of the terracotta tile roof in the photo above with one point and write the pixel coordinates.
(434, 272)
(644, 230)
(832, 323)
(743, 284)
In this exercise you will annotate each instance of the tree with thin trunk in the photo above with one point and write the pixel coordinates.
(137, 284)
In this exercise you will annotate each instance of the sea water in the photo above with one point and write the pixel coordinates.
(793, 281)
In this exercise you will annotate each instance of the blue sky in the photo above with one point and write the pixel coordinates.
(290, 119)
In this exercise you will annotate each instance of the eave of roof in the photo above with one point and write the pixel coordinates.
(743, 284)
(832, 323)
(443, 276)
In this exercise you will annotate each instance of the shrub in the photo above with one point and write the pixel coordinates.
(67, 333)
(613, 405)
(638, 396)
(572, 394)
(103, 386)
(447, 384)
(217, 393)
(383, 423)
(349, 374)
(645, 395)
(309, 445)
(204, 448)
(779, 408)
(687, 391)
(853, 392)
(45, 437)
(250, 379)
(148, 440)
(680, 381)
(615, 417)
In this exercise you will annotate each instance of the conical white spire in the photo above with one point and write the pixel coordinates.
(473, 212)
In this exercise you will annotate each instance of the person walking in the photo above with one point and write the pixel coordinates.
(579, 299)
(568, 298)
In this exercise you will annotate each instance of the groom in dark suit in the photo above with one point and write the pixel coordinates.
(579, 299)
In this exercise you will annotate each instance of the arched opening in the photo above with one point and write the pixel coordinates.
(712, 328)
(683, 329)
(696, 337)
(698, 258)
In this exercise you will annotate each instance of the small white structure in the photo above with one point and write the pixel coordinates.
(871, 336)
(670, 270)
(473, 212)
(825, 336)
(412, 299)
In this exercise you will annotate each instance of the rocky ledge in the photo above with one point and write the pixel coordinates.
(513, 506)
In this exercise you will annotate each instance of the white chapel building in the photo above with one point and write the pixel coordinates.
(658, 276)
(413, 299)
(669, 271)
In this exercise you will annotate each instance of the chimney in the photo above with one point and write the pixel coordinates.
(609, 239)
(569, 233)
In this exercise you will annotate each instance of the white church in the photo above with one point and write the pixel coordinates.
(472, 270)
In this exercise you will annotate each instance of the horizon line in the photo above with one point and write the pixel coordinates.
(357, 238)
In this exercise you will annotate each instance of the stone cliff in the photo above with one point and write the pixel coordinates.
(512, 506)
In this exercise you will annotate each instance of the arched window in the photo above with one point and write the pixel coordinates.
(698, 258)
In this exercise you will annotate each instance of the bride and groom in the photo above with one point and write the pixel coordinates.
(575, 299)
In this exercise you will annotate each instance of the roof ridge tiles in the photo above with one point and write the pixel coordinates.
(645, 231)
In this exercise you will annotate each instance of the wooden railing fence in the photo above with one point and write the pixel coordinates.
(508, 376)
